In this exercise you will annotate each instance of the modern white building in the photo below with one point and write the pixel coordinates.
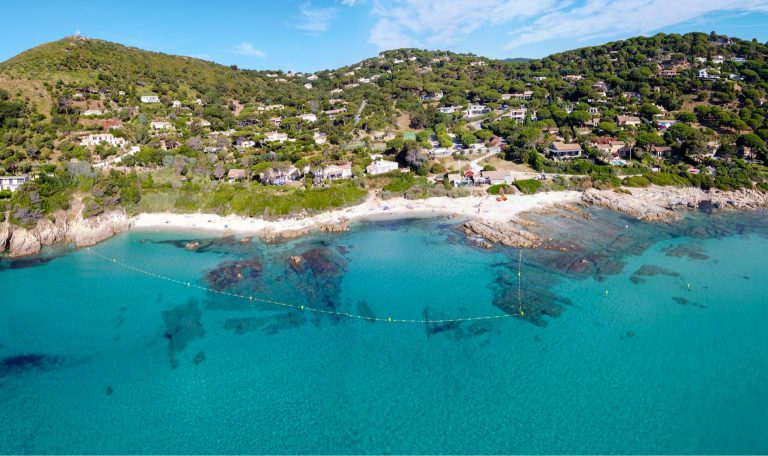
(12, 182)
(160, 125)
(336, 172)
(381, 167)
(276, 136)
(150, 99)
(102, 138)
(308, 117)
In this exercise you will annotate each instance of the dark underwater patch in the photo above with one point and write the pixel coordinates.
(226, 244)
(649, 270)
(455, 330)
(231, 273)
(27, 262)
(182, 327)
(19, 364)
(689, 251)
(268, 325)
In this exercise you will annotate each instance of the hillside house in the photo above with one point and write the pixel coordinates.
(320, 138)
(94, 140)
(275, 136)
(707, 76)
(449, 109)
(381, 167)
(150, 99)
(176, 103)
(12, 183)
(628, 121)
(160, 125)
(475, 110)
(661, 151)
(527, 95)
(336, 172)
(280, 175)
(564, 151)
(308, 117)
(235, 175)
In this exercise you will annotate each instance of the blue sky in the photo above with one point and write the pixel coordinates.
(310, 35)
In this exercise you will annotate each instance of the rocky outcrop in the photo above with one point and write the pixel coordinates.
(509, 234)
(338, 226)
(270, 236)
(17, 241)
(5, 235)
(667, 203)
(86, 232)
(23, 242)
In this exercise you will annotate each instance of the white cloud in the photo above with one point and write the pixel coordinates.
(315, 20)
(248, 49)
(445, 23)
(350, 2)
(613, 18)
(441, 23)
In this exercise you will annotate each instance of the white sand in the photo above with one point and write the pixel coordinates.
(486, 208)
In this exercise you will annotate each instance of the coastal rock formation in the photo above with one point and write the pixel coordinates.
(22, 242)
(665, 203)
(17, 241)
(5, 235)
(270, 236)
(85, 232)
(335, 227)
(507, 234)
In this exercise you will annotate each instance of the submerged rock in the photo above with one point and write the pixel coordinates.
(182, 327)
(18, 364)
(507, 234)
(233, 272)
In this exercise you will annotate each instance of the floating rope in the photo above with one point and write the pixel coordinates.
(310, 308)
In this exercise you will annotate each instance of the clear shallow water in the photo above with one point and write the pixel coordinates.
(671, 360)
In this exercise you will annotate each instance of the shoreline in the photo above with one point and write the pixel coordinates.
(486, 208)
(491, 220)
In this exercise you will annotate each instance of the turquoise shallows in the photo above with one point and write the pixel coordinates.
(663, 350)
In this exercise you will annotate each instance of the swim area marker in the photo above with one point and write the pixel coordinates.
(306, 308)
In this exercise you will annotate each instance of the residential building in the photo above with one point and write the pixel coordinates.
(160, 125)
(176, 103)
(308, 117)
(449, 109)
(280, 175)
(336, 172)
(102, 138)
(475, 110)
(381, 167)
(150, 99)
(497, 177)
(320, 138)
(276, 136)
(563, 151)
(12, 182)
(235, 174)
(706, 75)
(631, 121)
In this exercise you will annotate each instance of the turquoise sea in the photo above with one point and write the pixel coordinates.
(636, 338)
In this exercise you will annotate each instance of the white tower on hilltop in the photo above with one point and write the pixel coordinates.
(77, 32)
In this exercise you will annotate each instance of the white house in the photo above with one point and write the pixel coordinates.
(560, 150)
(102, 138)
(12, 182)
(150, 99)
(312, 77)
(160, 125)
(92, 112)
(176, 103)
(381, 167)
(276, 136)
(308, 117)
(475, 110)
(449, 109)
(516, 114)
(706, 75)
(336, 172)
(280, 175)
(308, 85)
(497, 177)
(320, 138)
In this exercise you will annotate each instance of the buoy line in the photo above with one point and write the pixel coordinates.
(304, 307)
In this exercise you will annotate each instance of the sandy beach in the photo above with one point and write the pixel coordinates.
(485, 208)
